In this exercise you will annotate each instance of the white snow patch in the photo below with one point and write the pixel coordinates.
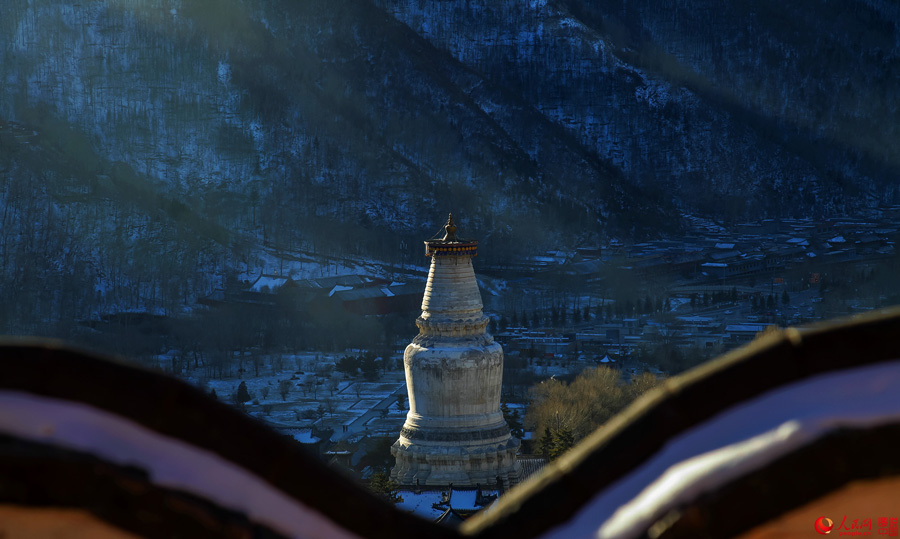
(339, 288)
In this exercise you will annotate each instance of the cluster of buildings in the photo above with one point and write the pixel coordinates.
(756, 259)
(715, 254)
(620, 338)
(357, 294)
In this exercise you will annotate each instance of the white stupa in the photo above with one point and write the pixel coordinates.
(454, 431)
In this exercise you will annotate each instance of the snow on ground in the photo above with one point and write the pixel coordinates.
(463, 499)
(304, 436)
(365, 404)
(333, 403)
(395, 412)
(421, 504)
(299, 264)
(385, 388)
(516, 406)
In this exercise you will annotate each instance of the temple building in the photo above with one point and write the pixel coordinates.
(454, 432)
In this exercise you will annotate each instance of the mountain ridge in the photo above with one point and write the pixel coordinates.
(212, 129)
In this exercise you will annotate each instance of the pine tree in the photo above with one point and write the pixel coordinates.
(513, 419)
(563, 440)
(545, 444)
(348, 365)
(785, 298)
(213, 394)
(368, 366)
(242, 394)
(386, 489)
(587, 313)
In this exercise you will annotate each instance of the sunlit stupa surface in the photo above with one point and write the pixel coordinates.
(454, 431)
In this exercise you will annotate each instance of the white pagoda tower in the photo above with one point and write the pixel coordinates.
(454, 431)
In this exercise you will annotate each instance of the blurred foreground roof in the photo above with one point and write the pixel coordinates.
(762, 441)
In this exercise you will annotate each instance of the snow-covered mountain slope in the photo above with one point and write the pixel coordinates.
(734, 109)
(317, 110)
(150, 147)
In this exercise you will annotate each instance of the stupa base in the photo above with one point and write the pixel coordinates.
(457, 465)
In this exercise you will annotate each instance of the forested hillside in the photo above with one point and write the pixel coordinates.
(150, 148)
(738, 110)
(155, 143)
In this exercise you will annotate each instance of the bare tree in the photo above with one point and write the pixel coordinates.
(587, 403)
(284, 388)
(332, 383)
(330, 406)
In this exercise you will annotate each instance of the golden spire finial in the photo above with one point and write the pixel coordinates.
(450, 230)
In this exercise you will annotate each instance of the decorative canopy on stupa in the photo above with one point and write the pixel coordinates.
(450, 244)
